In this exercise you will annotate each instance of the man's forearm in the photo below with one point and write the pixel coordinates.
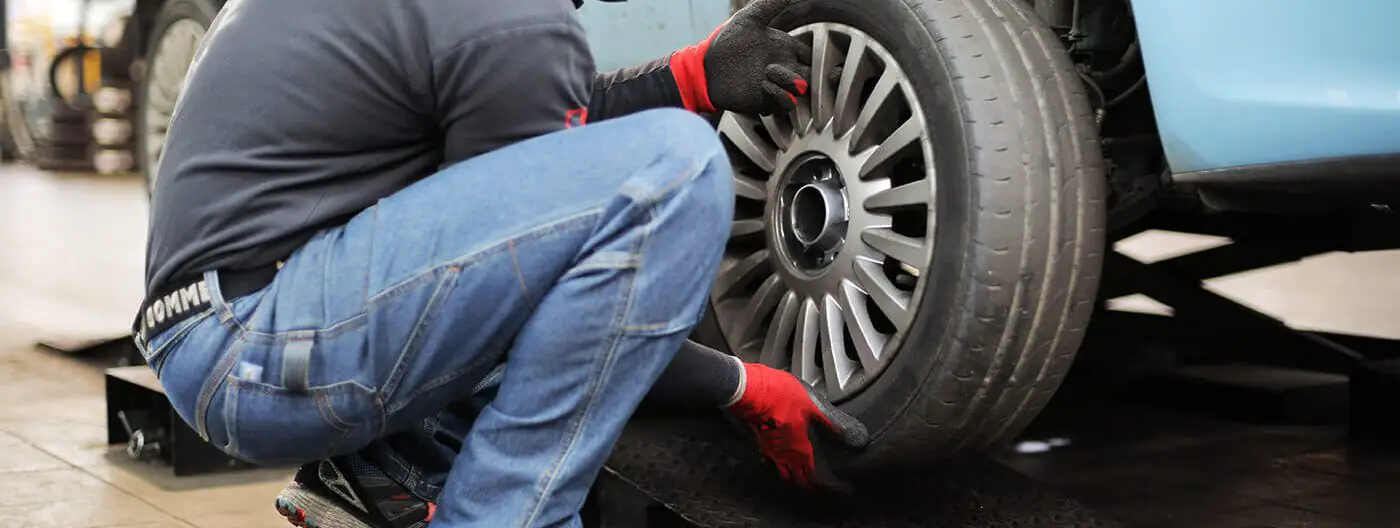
(633, 89)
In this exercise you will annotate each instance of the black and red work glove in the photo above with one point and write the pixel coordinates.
(745, 66)
(786, 416)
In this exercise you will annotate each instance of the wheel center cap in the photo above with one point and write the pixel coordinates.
(818, 215)
(813, 213)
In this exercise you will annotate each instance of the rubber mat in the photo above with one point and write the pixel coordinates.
(699, 468)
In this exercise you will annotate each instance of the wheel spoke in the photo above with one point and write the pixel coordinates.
(746, 187)
(759, 306)
(889, 80)
(823, 60)
(916, 194)
(801, 116)
(780, 133)
(905, 249)
(158, 99)
(907, 134)
(746, 227)
(775, 345)
(159, 96)
(740, 131)
(156, 120)
(869, 341)
(190, 44)
(838, 367)
(804, 359)
(163, 69)
(853, 69)
(893, 302)
(742, 272)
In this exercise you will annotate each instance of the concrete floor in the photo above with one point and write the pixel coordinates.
(71, 260)
(71, 264)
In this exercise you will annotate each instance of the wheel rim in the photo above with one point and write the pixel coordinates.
(169, 67)
(834, 220)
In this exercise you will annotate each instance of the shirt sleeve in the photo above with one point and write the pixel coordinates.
(513, 82)
(633, 89)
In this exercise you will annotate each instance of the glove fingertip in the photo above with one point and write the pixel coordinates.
(837, 73)
(850, 430)
(778, 97)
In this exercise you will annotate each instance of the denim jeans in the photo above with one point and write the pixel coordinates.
(580, 259)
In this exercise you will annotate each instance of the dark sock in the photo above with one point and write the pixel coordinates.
(699, 376)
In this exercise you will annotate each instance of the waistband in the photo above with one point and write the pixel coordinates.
(184, 297)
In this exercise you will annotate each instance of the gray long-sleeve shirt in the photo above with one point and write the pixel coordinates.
(298, 115)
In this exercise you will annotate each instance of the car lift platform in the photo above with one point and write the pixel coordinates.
(697, 471)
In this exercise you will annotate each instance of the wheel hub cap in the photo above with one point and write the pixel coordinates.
(833, 222)
(816, 213)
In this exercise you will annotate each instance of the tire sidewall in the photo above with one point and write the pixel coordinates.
(931, 340)
(201, 11)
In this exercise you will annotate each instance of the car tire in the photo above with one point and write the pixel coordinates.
(1016, 213)
(168, 57)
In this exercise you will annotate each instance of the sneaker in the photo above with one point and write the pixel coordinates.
(348, 492)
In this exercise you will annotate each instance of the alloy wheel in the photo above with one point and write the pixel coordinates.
(833, 228)
(167, 73)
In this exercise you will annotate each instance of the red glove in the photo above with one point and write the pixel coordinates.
(781, 411)
(745, 66)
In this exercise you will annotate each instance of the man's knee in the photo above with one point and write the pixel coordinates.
(705, 185)
(680, 133)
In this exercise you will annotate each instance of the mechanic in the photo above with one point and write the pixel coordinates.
(316, 279)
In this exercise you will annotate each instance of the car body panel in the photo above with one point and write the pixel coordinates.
(1243, 82)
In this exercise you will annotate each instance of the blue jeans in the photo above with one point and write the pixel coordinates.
(581, 259)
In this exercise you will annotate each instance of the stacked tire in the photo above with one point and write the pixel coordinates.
(65, 138)
(113, 127)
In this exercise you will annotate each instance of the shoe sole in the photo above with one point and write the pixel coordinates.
(305, 509)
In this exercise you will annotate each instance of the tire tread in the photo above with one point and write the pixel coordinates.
(1026, 117)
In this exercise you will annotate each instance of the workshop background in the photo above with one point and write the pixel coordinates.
(1131, 435)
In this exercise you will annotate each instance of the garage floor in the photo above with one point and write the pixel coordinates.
(70, 268)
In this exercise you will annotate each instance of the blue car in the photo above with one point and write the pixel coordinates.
(922, 238)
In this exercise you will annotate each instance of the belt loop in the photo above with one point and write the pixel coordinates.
(216, 294)
(296, 362)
